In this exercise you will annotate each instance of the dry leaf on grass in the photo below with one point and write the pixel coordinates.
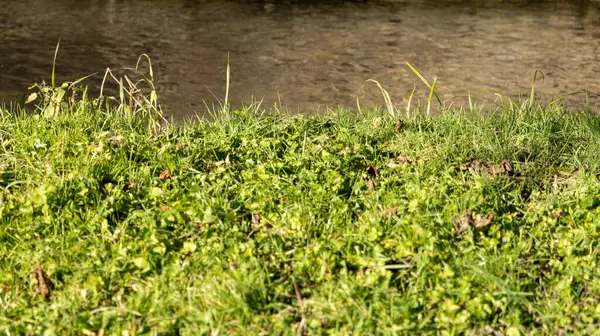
(373, 171)
(166, 174)
(44, 284)
(484, 221)
(370, 185)
(404, 159)
(132, 185)
(392, 210)
(505, 167)
(473, 166)
(398, 127)
(258, 223)
(491, 331)
(486, 331)
(463, 222)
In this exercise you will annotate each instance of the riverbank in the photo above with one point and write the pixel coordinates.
(481, 222)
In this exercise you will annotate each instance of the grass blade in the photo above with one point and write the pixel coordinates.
(431, 91)
(429, 86)
(384, 93)
(559, 99)
(228, 73)
(412, 94)
(54, 62)
(533, 87)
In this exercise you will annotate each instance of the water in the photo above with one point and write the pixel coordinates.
(304, 56)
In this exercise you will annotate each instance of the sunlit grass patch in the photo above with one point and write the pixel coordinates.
(470, 221)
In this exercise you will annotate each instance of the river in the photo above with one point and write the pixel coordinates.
(305, 56)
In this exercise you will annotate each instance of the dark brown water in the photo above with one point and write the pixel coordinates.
(307, 55)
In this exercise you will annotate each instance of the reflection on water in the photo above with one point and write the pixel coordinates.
(307, 55)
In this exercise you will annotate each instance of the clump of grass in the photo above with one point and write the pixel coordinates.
(431, 88)
(134, 101)
(470, 222)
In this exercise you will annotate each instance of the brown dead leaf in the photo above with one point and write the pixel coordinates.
(398, 127)
(507, 166)
(258, 223)
(484, 221)
(473, 165)
(166, 174)
(476, 167)
(491, 331)
(391, 210)
(370, 185)
(373, 171)
(464, 221)
(44, 284)
(486, 331)
(461, 227)
(404, 159)
(132, 185)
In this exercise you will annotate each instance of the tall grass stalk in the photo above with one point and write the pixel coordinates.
(227, 79)
(429, 86)
(54, 64)
(531, 96)
(431, 91)
(410, 97)
(386, 96)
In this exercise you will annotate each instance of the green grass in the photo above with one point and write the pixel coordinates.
(336, 224)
